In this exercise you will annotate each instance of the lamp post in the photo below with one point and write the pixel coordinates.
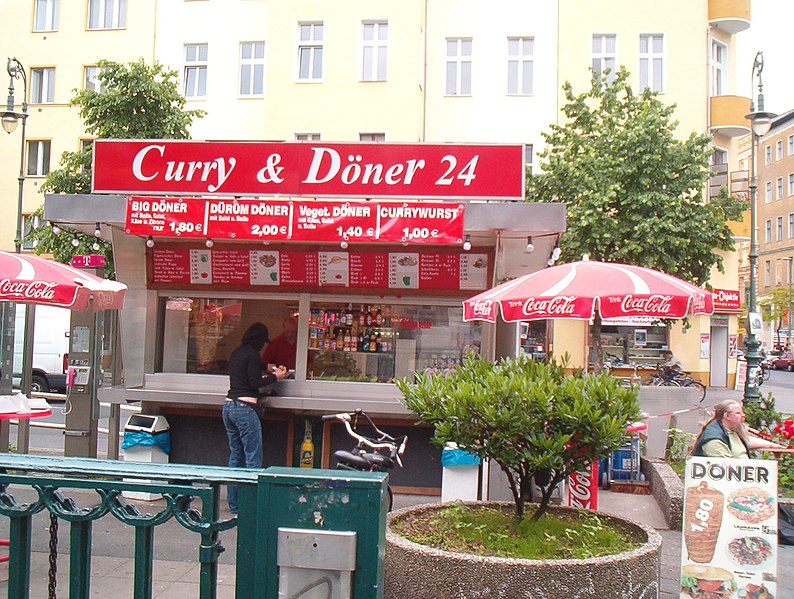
(760, 122)
(9, 120)
(788, 319)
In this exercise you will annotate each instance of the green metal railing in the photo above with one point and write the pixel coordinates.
(191, 493)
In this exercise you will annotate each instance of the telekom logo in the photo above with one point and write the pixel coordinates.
(27, 290)
(562, 305)
(654, 304)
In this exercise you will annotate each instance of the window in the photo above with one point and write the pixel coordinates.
(604, 55)
(38, 158)
(790, 145)
(719, 67)
(768, 155)
(310, 51)
(107, 14)
(458, 67)
(374, 50)
(307, 137)
(767, 273)
(196, 70)
(252, 68)
(372, 137)
(652, 62)
(91, 79)
(42, 86)
(779, 228)
(779, 195)
(520, 65)
(29, 222)
(779, 150)
(768, 235)
(791, 225)
(46, 17)
(791, 184)
(768, 196)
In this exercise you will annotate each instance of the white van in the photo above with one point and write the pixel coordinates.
(50, 348)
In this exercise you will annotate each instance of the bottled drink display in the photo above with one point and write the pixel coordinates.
(370, 330)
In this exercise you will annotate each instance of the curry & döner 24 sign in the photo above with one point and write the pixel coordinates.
(293, 220)
(308, 169)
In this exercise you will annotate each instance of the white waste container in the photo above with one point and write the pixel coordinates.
(146, 439)
(460, 474)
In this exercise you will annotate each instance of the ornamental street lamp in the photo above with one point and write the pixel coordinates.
(760, 122)
(788, 319)
(9, 120)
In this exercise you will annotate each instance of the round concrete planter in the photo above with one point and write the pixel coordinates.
(416, 571)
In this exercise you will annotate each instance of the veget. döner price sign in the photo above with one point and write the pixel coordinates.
(376, 170)
(289, 220)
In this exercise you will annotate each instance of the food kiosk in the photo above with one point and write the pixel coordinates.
(375, 278)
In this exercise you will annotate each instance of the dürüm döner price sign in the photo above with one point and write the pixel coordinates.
(292, 220)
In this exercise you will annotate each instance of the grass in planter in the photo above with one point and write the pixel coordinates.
(494, 531)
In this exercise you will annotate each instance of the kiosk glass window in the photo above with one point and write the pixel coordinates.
(628, 345)
(378, 342)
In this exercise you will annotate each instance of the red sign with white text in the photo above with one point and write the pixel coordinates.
(374, 170)
(726, 300)
(282, 220)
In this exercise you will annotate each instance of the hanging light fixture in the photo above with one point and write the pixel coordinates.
(97, 231)
(209, 243)
(467, 244)
(150, 242)
(343, 245)
(530, 245)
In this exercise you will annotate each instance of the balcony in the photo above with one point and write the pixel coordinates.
(727, 115)
(730, 16)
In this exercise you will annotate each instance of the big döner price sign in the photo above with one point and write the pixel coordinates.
(282, 220)
(376, 170)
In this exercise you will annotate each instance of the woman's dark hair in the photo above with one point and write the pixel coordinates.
(256, 336)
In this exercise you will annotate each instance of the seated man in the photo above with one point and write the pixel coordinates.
(672, 366)
(281, 351)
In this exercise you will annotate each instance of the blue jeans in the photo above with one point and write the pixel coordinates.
(245, 441)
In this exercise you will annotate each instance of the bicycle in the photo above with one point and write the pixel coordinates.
(371, 454)
(672, 377)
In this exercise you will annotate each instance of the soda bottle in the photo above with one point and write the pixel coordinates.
(307, 447)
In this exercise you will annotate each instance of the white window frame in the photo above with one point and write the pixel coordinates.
(779, 228)
(42, 85)
(602, 58)
(767, 272)
(45, 16)
(310, 50)
(779, 192)
(791, 225)
(38, 158)
(768, 155)
(372, 137)
(719, 67)
(779, 149)
(791, 145)
(791, 184)
(520, 66)
(106, 14)
(375, 50)
(768, 193)
(768, 231)
(195, 72)
(91, 79)
(648, 59)
(458, 71)
(252, 70)
(307, 137)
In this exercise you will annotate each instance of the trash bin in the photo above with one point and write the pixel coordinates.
(460, 474)
(146, 439)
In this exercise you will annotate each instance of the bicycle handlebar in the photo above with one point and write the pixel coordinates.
(385, 441)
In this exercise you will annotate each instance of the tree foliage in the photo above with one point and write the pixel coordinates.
(634, 192)
(775, 305)
(136, 101)
(527, 416)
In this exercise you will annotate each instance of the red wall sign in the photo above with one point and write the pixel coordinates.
(282, 220)
(374, 170)
(726, 300)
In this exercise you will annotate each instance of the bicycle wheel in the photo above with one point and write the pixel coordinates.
(699, 385)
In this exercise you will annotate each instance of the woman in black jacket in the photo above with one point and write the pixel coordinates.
(243, 429)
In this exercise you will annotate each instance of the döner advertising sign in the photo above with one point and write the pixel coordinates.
(376, 170)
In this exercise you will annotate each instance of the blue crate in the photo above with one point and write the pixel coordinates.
(620, 467)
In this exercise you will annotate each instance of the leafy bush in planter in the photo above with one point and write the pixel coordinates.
(772, 425)
(529, 417)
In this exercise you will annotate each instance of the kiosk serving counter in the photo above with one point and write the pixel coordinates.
(367, 313)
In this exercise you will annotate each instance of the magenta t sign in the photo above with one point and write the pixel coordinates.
(304, 169)
(88, 261)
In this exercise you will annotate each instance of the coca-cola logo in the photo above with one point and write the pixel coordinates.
(579, 494)
(653, 304)
(482, 307)
(25, 290)
(699, 302)
(561, 305)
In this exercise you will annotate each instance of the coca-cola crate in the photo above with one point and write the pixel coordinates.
(625, 461)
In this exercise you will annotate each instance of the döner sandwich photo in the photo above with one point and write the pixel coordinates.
(707, 582)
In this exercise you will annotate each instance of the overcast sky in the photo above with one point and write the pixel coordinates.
(770, 31)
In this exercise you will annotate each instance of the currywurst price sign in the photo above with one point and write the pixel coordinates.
(152, 167)
(284, 220)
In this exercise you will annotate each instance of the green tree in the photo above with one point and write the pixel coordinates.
(634, 192)
(136, 101)
(527, 416)
(775, 307)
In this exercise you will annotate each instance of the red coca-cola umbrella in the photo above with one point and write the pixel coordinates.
(587, 290)
(28, 279)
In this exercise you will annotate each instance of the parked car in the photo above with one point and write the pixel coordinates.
(784, 362)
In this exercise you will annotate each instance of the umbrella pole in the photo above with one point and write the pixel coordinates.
(595, 344)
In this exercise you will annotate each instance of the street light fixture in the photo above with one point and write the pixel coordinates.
(10, 119)
(760, 122)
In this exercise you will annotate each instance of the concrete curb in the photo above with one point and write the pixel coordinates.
(666, 488)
